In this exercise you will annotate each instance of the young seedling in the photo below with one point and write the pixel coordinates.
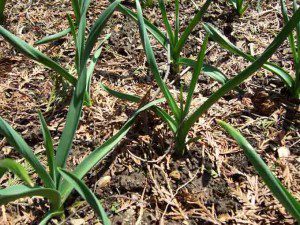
(77, 9)
(52, 178)
(83, 48)
(170, 41)
(57, 182)
(240, 6)
(173, 42)
(273, 183)
(291, 83)
(181, 120)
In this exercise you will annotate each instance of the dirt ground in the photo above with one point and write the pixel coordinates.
(141, 182)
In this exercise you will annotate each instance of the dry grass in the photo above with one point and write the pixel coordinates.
(214, 184)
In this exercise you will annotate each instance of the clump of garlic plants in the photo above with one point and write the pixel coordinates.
(182, 119)
(57, 182)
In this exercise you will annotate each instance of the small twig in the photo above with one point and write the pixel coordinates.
(151, 161)
(194, 3)
(139, 220)
(181, 75)
(4, 218)
(176, 192)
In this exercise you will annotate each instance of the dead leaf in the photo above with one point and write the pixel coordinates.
(283, 152)
(104, 181)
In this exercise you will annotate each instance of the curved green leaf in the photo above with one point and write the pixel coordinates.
(53, 37)
(90, 74)
(195, 76)
(291, 36)
(153, 65)
(208, 70)
(16, 168)
(92, 65)
(76, 8)
(166, 117)
(97, 29)
(166, 21)
(278, 190)
(79, 94)
(242, 76)
(35, 54)
(73, 32)
(127, 97)
(48, 143)
(177, 22)
(192, 24)
(72, 121)
(87, 194)
(21, 146)
(157, 34)
(133, 98)
(20, 191)
(49, 216)
(80, 44)
(226, 44)
(99, 153)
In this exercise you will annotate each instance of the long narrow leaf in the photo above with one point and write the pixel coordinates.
(90, 73)
(192, 24)
(157, 34)
(79, 93)
(278, 190)
(53, 37)
(76, 8)
(173, 125)
(87, 194)
(153, 65)
(72, 121)
(73, 32)
(50, 215)
(177, 22)
(166, 21)
(21, 146)
(48, 143)
(208, 70)
(80, 45)
(127, 97)
(20, 191)
(36, 55)
(296, 89)
(133, 98)
(195, 76)
(233, 83)
(97, 28)
(92, 65)
(295, 8)
(225, 43)
(291, 36)
(15, 168)
(99, 153)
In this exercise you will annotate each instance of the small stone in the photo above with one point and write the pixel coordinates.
(104, 181)
(283, 152)
(175, 174)
(77, 221)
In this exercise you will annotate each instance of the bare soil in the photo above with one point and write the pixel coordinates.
(144, 183)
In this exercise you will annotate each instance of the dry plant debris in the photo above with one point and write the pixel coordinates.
(140, 183)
